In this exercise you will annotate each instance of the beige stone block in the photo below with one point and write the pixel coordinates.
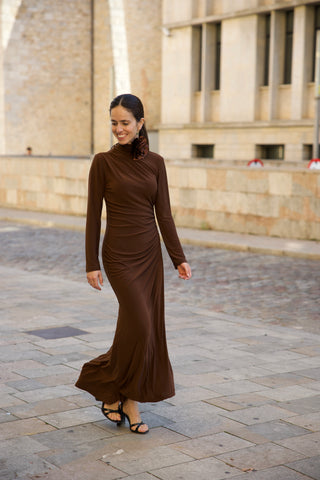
(11, 197)
(11, 181)
(67, 186)
(42, 201)
(75, 169)
(3, 196)
(231, 202)
(5, 167)
(256, 225)
(182, 178)
(204, 200)
(247, 180)
(34, 166)
(32, 183)
(78, 205)
(197, 177)
(280, 183)
(55, 167)
(174, 196)
(285, 227)
(190, 217)
(305, 183)
(293, 208)
(312, 209)
(216, 179)
(29, 199)
(314, 231)
(54, 203)
(263, 205)
(188, 198)
(59, 185)
(237, 223)
(173, 173)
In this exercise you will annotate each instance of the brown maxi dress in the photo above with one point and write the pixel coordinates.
(137, 365)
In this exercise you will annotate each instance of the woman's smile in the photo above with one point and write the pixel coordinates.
(124, 126)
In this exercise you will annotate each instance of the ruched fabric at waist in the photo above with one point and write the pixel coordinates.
(123, 241)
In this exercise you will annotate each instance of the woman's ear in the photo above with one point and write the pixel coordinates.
(140, 123)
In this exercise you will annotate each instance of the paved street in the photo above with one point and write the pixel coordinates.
(244, 340)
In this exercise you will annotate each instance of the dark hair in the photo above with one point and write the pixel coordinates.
(134, 105)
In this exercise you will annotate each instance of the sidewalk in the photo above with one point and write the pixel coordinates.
(247, 403)
(206, 238)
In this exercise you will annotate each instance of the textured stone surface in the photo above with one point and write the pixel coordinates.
(247, 397)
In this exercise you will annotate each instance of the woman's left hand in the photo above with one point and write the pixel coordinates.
(184, 271)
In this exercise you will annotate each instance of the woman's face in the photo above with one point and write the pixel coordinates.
(124, 126)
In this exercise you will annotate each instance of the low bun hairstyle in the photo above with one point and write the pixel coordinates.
(134, 105)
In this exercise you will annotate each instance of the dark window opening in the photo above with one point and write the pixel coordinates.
(316, 28)
(203, 151)
(266, 50)
(217, 57)
(270, 152)
(307, 152)
(288, 47)
(197, 57)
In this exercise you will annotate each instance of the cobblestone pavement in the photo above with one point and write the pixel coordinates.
(244, 342)
(282, 290)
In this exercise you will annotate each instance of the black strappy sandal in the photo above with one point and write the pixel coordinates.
(134, 427)
(106, 411)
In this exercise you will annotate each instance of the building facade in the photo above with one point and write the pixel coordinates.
(62, 62)
(238, 79)
(220, 79)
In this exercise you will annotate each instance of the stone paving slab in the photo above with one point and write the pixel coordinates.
(307, 444)
(309, 466)
(204, 469)
(20, 428)
(275, 473)
(260, 457)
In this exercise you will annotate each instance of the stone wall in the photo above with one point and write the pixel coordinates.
(58, 75)
(267, 201)
(270, 201)
(46, 78)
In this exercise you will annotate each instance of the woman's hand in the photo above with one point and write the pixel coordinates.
(95, 279)
(184, 271)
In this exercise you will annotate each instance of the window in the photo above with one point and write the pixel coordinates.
(197, 57)
(307, 152)
(202, 151)
(288, 47)
(266, 50)
(217, 57)
(270, 152)
(316, 28)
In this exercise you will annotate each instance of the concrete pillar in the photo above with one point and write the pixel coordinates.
(238, 69)
(102, 81)
(177, 82)
(277, 32)
(208, 65)
(302, 43)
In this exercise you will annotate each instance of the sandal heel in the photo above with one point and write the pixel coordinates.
(132, 425)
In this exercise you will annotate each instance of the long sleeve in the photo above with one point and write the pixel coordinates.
(96, 189)
(165, 219)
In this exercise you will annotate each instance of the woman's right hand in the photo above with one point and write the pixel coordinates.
(95, 279)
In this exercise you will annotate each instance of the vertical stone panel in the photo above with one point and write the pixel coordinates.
(103, 61)
(238, 72)
(47, 75)
(143, 26)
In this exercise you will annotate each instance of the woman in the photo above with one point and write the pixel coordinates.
(132, 181)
